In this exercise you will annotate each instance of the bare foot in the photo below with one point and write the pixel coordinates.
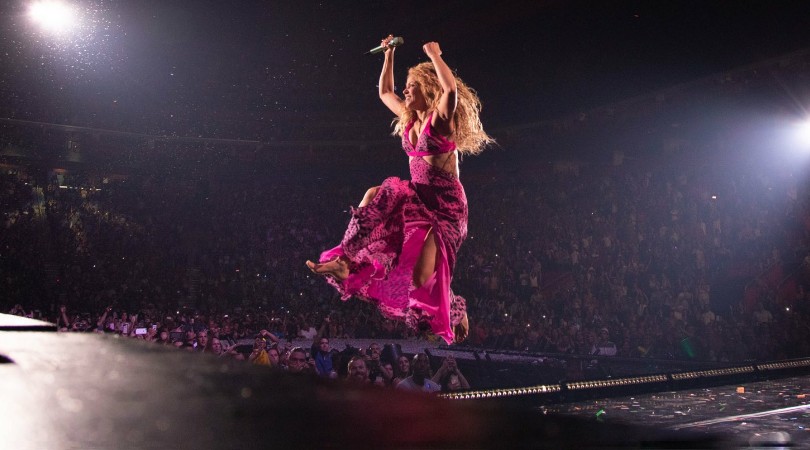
(461, 330)
(337, 268)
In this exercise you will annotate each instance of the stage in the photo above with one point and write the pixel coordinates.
(772, 413)
(85, 390)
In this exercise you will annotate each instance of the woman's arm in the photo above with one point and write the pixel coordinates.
(63, 314)
(103, 319)
(386, 86)
(462, 380)
(443, 119)
(268, 335)
(442, 372)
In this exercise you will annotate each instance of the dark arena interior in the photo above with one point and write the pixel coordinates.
(636, 269)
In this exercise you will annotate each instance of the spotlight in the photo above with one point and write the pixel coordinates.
(802, 135)
(53, 16)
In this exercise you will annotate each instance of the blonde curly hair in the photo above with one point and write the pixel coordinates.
(468, 132)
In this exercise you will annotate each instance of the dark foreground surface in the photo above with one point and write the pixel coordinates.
(766, 413)
(67, 390)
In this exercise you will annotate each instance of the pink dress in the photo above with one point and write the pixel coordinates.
(384, 240)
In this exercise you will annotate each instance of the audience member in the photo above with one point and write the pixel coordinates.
(449, 377)
(297, 361)
(420, 380)
(357, 370)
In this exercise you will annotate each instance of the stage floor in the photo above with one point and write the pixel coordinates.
(768, 413)
(83, 390)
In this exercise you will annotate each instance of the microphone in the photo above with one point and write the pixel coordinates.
(395, 42)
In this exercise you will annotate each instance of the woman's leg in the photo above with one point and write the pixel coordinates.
(370, 194)
(339, 267)
(426, 265)
(424, 270)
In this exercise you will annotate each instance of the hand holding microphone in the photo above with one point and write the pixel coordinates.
(389, 42)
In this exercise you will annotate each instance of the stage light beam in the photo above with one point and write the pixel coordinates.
(803, 134)
(53, 16)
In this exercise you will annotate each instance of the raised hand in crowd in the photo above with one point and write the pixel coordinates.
(449, 376)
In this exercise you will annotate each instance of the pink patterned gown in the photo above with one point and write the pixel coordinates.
(384, 240)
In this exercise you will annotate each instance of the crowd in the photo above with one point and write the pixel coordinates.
(225, 338)
(633, 260)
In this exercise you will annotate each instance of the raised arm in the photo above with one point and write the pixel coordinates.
(63, 315)
(386, 86)
(103, 319)
(446, 109)
(322, 331)
(268, 335)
